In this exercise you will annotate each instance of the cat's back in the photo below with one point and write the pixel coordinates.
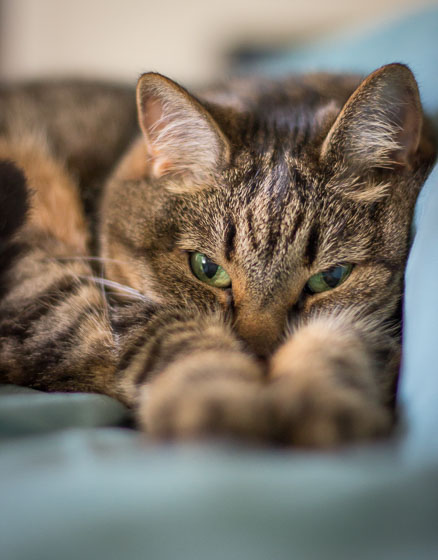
(89, 123)
(86, 123)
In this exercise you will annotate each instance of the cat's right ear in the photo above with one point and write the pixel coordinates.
(181, 136)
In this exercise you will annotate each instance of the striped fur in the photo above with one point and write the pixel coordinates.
(273, 180)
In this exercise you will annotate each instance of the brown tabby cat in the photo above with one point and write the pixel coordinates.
(251, 243)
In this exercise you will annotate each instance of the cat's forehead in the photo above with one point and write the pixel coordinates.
(274, 185)
(275, 211)
(286, 214)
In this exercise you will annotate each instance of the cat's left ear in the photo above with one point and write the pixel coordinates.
(380, 125)
(181, 136)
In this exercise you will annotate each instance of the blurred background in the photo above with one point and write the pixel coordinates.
(193, 41)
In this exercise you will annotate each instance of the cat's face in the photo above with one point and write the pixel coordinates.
(271, 210)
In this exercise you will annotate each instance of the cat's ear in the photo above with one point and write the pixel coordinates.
(181, 137)
(380, 125)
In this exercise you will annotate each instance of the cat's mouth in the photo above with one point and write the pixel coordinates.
(263, 363)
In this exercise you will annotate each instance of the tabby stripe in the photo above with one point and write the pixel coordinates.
(21, 324)
(39, 358)
(300, 185)
(11, 327)
(127, 316)
(154, 350)
(250, 180)
(230, 236)
(312, 244)
(299, 218)
(132, 350)
(273, 235)
(151, 360)
(250, 224)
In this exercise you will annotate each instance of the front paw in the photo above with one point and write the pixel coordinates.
(204, 395)
(323, 415)
(323, 392)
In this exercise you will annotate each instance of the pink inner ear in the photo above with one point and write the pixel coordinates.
(152, 114)
(180, 135)
(152, 123)
(151, 119)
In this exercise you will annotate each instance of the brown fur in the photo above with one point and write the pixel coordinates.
(275, 181)
(56, 212)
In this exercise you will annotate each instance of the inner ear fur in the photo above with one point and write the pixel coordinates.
(380, 126)
(181, 136)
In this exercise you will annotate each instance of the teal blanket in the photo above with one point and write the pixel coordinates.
(74, 485)
(77, 482)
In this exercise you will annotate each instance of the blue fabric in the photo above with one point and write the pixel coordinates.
(412, 40)
(74, 484)
(105, 494)
(419, 377)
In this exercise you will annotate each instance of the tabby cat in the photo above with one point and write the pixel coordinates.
(251, 244)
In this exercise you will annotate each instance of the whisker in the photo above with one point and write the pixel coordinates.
(120, 287)
(103, 290)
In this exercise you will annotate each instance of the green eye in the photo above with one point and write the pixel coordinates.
(328, 279)
(209, 272)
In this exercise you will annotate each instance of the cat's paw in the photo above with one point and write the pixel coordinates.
(204, 395)
(322, 391)
(323, 415)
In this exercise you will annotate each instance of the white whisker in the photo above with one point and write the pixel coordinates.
(119, 294)
(118, 287)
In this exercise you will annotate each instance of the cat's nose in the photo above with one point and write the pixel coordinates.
(261, 331)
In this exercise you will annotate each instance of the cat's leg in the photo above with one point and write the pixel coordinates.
(327, 387)
(54, 327)
(188, 376)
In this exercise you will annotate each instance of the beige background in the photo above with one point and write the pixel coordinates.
(185, 39)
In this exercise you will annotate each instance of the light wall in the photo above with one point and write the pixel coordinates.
(185, 39)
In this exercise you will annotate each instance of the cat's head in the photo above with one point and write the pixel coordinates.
(273, 200)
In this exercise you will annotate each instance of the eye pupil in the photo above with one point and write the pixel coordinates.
(209, 268)
(328, 279)
(333, 276)
(208, 271)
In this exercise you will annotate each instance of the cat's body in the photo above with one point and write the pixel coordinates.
(213, 231)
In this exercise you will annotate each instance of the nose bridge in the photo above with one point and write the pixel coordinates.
(261, 327)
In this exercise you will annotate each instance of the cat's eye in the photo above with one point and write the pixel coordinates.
(208, 271)
(328, 279)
